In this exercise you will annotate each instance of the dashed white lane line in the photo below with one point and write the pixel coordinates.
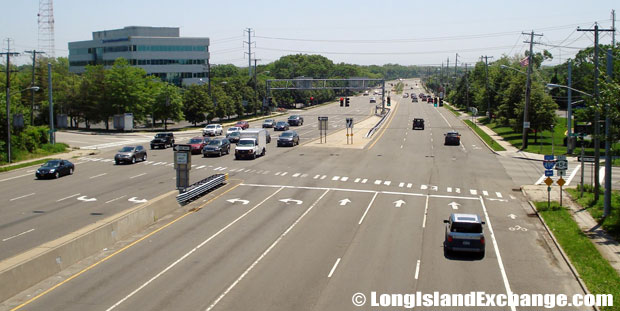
(102, 174)
(69, 197)
(115, 199)
(317, 176)
(425, 212)
(19, 234)
(333, 268)
(132, 177)
(296, 174)
(417, 269)
(21, 197)
(278, 173)
(1, 180)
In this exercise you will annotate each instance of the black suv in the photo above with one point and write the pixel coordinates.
(418, 123)
(295, 120)
(162, 140)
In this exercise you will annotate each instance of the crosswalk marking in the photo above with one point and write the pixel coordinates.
(377, 182)
(317, 176)
(344, 178)
(296, 174)
(304, 175)
(323, 177)
(485, 193)
(387, 182)
(335, 177)
(409, 185)
(278, 173)
(499, 195)
(423, 187)
(473, 192)
(457, 190)
(449, 189)
(513, 197)
(247, 171)
(266, 172)
(357, 180)
(283, 173)
(202, 166)
(364, 180)
(402, 184)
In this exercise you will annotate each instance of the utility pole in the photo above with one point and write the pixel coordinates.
(467, 87)
(51, 101)
(249, 43)
(569, 109)
(528, 88)
(255, 82)
(34, 56)
(597, 116)
(486, 70)
(607, 198)
(8, 98)
(456, 61)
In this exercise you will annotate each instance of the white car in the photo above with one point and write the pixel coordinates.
(373, 100)
(233, 129)
(212, 130)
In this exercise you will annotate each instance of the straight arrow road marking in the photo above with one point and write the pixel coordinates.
(398, 203)
(344, 202)
(454, 205)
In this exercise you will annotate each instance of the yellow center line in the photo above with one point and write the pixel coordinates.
(120, 250)
(386, 126)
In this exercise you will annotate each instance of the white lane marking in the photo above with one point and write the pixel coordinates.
(335, 177)
(317, 176)
(246, 171)
(132, 177)
(499, 257)
(368, 208)
(409, 185)
(423, 187)
(402, 184)
(499, 195)
(540, 180)
(296, 174)
(30, 171)
(283, 173)
(277, 173)
(401, 146)
(323, 177)
(387, 182)
(444, 118)
(572, 174)
(449, 189)
(473, 192)
(485, 193)
(417, 269)
(69, 197)
(12, 237)
(202, 166)
(425, 213)
(264, 254)
(115, 199)
(215, 169)
(102, 174)
(344, 178)
(377, 182)
(266, 172)
(457, 190)
(304, 175)
(192, 251)
(357, 180)
(364, 180)
(23, 196)
(1, 180)
(333, 268)
(513, 197)
(462, 146)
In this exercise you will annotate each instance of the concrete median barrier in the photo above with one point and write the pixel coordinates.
(27, 269)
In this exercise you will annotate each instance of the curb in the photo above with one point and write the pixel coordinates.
(482, 140)
(559, 247)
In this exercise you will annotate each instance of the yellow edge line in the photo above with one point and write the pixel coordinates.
(386, 126)
(118, 252)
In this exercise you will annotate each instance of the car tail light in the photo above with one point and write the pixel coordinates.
(482, 240)
(449, 238)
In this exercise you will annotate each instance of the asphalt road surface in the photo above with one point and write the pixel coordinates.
(302, 228)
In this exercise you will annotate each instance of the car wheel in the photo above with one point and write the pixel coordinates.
(56, 175)
(133, 160)
(262, 153)
(71, 171)
(152, 147)
(220, 154)
(117, 162)
(204, 155)
(144, 158)
(253, 155)
(236, 157)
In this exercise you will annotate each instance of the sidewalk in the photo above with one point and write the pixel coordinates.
(74, 153)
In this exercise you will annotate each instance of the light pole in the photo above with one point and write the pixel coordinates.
(8, 119)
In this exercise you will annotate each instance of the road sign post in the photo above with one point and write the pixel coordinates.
(561, 183)
(182, 165)
(322, 129)
(349, 125)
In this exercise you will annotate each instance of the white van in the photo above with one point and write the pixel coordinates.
(252, 143)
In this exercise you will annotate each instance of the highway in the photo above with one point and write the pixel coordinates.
(302, 228)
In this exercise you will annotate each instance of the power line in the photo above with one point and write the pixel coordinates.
(387, 53)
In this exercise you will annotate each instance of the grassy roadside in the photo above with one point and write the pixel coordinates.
(456, 113)
(22, 165)
(611, 224)
(492, 143)
(45, 150)
(596, 272)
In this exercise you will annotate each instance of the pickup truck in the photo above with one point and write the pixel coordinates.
(464, 233)
(252, 143)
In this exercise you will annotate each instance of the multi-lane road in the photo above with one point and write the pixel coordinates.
(302, 228)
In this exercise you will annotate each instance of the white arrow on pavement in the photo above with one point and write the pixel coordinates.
(291, 200)
(398, 203)
(344, 202)
(513, 216)
(244, 202)
(85, 199)
(135, 200)
(454, 205)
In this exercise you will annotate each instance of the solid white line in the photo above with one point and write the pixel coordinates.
(572, 174)
(23, 196)
(12, 237)
(499, 257)
(368, 208)
(425, 212)
(69, 197)
(91, 177)
(1, 180)
(137, 175)
(450, 125)
(115, 199)
(264, 254)
(540, 180)
(417, 269)
(333, 268)
(335, 177)
(192, 251)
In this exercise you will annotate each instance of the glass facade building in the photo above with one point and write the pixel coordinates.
(158, 50)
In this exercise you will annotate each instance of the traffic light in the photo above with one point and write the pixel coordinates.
(311, 100)
(341, 101)
(347, 102)
(389, 101)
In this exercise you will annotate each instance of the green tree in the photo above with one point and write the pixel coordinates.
(168, 103)
(197, 105)
(127, 89)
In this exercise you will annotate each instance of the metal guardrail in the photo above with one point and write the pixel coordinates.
(199, 188)
(374, 128)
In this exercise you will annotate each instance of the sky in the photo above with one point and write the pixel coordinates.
(360, 32)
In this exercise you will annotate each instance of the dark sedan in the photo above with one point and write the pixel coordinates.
(452, 138)
(288, 138)
(130, 154)
(295, 120)
(55, 169)
(234, 137)
(216, 146)
(281, 126)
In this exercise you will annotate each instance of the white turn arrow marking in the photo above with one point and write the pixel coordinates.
(244, 202)
(398, 203)
(513, 216)
(135, 200)
(85, 199)
(344, 202)
(454, 205)
(291, 200)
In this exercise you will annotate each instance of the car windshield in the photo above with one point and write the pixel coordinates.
(453, 134)
(54, 163)
(246, 142)
(282, 123)
(196, 141)
(285, 134)
(126, 149)
(292, 117)
(268, 121)
(160, 135)
(232, 129)
(466, 227)
(210, 126)
(215, 143)
(235, 134)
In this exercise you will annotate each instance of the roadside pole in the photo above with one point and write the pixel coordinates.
(582, 168)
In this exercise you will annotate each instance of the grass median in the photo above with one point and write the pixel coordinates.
(43, 151)
(492, 143)
(598, 275)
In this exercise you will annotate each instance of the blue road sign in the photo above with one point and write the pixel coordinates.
(548, 173)
(548, 162)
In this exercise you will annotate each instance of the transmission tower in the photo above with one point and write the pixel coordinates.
(46, 27)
